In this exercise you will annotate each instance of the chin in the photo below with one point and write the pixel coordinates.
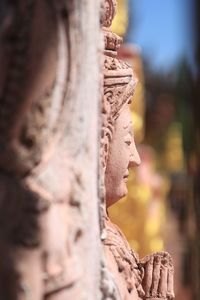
(123, 191)
(119, 193)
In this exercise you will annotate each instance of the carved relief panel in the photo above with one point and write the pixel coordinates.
(49, 96)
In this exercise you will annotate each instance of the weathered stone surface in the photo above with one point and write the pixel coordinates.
(49, 106)
(50, 90)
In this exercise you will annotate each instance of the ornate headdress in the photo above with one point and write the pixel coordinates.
(119, 81)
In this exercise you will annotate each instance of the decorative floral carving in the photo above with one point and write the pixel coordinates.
(112, 41)
(109, 11)
(116, 65)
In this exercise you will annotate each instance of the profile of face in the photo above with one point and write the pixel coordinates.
(122, 156)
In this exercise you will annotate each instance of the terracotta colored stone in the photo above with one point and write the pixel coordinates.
(49, 111)
(151, 277)
(49, 100)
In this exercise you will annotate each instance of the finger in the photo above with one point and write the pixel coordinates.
(162, 289)
(148, 276)
(170, 282)
(156, 275)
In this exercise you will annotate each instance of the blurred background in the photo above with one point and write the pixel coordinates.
(162, 209)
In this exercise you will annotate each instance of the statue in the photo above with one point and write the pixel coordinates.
(151, 277)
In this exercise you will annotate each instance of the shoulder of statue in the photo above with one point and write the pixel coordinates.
(126, 259)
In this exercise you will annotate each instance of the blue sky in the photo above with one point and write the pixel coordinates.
(163, 30)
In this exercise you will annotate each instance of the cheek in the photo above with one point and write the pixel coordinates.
(118, 167)
(123, 158)
(119, 153)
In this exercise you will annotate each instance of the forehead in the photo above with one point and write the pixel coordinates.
(124, 120)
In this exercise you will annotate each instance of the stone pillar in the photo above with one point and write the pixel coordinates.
(49, 105)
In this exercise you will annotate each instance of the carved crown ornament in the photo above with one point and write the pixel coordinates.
(119, 80)
(109, 11)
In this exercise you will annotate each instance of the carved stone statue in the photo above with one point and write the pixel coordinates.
(151, 277)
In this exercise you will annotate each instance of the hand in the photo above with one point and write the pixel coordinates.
(158, 276)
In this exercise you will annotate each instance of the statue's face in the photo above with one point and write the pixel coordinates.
(122, 156)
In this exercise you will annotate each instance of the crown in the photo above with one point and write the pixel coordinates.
(109, 11)
(119, 81)
(119, 85)
(111, 40)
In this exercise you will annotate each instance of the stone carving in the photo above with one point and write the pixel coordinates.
(151, 277)
(109, 11)
(48, 121)
(158, 279)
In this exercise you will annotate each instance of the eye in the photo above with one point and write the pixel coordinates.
(128, 139)
(128, 143)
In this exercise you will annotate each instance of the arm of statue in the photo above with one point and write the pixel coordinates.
(158, 276)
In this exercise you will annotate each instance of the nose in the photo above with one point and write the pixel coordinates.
(135, 160)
